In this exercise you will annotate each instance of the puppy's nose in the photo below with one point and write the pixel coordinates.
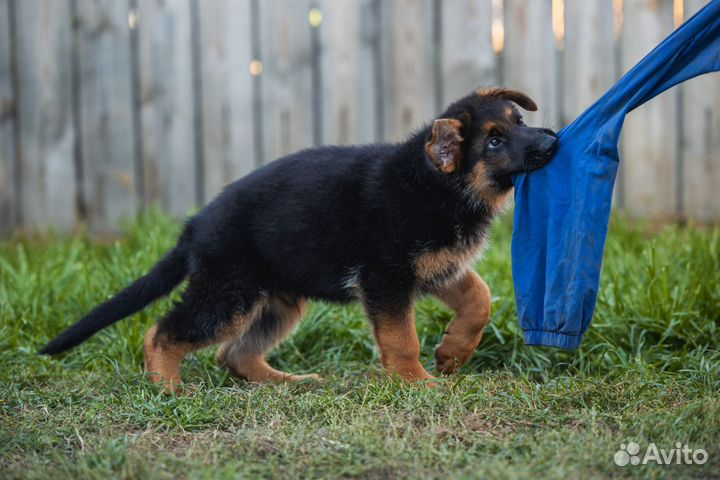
(547, 141)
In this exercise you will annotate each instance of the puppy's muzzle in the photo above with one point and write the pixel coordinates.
(542, 149)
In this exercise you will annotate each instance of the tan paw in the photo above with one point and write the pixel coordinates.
(310, 377)
(448, 362)
(412, 374)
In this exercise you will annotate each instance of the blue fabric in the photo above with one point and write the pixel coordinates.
(562, 211)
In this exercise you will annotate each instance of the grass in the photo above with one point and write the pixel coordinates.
(648, 371)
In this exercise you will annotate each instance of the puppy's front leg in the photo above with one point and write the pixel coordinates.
(398, 342)
(470, 298)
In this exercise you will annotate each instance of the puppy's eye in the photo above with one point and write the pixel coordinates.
(495, 141)
(520, 121)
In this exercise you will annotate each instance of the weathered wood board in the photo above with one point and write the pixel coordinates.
(167, 104)
(649, 137)
(348, 32)
(467, 57)
(408, 77)
(589, 55)
(701, 141)
(8, 124)
(48, 186)
(107, 140)
(287, 90)
(226, 91)
(530, 58)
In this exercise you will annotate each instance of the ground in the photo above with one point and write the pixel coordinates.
(648, 371)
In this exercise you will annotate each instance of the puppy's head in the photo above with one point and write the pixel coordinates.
(483, 140)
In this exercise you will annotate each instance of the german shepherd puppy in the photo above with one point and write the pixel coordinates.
(382, 224)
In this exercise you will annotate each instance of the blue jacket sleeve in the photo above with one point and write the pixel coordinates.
(562, 211)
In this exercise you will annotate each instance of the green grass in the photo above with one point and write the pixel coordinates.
(648, 371)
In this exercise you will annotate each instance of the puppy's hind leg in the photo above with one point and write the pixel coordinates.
(245, 356)
(163, 354)
(209, 313)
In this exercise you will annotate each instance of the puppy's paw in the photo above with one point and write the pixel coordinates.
(432, 382)
(448, 361)
(310, 377)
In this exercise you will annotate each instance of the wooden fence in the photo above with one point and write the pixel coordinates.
(107, 106)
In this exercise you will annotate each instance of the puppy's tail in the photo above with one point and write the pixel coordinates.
(161, 280)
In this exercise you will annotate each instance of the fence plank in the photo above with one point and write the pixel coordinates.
(106, 112)
(529, 58)
(347, 32)
(649, 135)
(167, 107)
(701, 139)
(408, 70)
(589, 54)
(227, 113)
(286, 52)
(7, 124)
(47, 131)
(467, 56)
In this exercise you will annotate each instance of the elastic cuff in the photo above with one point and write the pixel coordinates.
(546, 338)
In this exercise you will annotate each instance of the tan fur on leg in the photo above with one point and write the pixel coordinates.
(470, 298)
(163, 356)
(254, 368)
(162, 360)
(399, 345)
(222, 352)
(245, 356)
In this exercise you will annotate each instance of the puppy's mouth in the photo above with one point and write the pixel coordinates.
(537, 160)
(542, 151)
(529, 164)
(533, 161)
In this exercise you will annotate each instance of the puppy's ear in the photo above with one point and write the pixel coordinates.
(445, 144)
(508, 94)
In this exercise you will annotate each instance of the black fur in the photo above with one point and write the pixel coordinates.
(331, 223)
